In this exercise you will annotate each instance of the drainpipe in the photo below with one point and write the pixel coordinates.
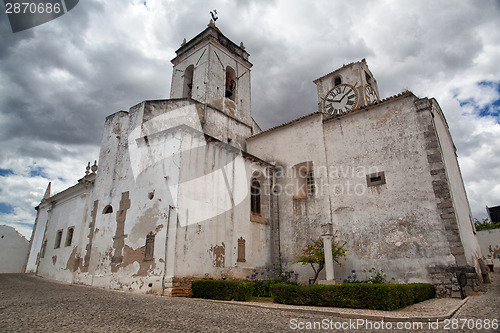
(165, 260)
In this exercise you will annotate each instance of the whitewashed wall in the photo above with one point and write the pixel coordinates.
(13, 250)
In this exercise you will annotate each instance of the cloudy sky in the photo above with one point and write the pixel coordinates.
(59, 80)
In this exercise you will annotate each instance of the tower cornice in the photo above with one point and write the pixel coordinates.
(212, 33)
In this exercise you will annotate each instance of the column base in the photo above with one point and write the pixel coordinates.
(327, 282)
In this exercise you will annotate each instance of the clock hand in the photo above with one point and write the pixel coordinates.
(335, 101)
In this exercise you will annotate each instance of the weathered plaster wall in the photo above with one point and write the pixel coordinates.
(13, 250)
(139, 157)
(226, 129)
(214, 211)
(65, 210)
(489, 240)
(393, 227)
(37, 237)
(299, 218)
(461, 206)
(162, 176)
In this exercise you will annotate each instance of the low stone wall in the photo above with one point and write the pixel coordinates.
(446, 280)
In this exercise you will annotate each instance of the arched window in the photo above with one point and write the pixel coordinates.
(230, 83)
(188, 81)
(255, 197)
(107, 210)
(338, 80)
(368, 78)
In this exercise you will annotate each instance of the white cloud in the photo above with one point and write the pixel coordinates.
(23, 191)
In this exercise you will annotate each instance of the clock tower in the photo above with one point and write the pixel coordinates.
(346, 89)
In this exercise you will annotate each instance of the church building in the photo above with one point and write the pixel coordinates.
(190, 187)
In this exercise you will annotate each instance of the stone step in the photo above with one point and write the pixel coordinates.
(181, 292)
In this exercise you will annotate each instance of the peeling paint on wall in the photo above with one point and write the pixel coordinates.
(130, 256)
(119, 238)
(218, 253)
(145, 223)
(88, 248)
(74, 261)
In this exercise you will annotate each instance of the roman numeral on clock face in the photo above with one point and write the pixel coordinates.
(340, 99)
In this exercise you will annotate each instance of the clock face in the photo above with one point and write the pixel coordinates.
(370, 94)
(340, 99)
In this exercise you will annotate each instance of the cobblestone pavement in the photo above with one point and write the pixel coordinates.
(33, 304)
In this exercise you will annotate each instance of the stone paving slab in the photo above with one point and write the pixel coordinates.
(430, 310)
(32, 304)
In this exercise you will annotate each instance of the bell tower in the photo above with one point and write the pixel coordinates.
(214, 71)
(355, 81)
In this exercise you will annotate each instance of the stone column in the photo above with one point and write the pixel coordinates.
(327, 236)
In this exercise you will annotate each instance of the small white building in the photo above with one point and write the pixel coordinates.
(190, 186)
(489, 240)
(13, 250)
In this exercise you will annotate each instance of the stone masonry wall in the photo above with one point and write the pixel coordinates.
(444, 278)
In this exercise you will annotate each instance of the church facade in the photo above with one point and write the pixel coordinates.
(191, 187)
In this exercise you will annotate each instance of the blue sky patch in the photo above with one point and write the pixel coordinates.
(490, 110)
(6, 172)
(5, 208)
(37, 171)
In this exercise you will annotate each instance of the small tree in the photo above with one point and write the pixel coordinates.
(485, 224)
(314, 255)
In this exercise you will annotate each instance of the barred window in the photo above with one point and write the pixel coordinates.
(305, 182)
(311, 186)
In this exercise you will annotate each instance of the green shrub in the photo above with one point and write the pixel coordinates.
(261, 289)
(354, 295)
(222, 290)
(264, 279)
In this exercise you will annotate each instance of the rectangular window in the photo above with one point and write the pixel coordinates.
(69, 236)
(375, 179)
(255, 197)
(58, 239)
(305, 182)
